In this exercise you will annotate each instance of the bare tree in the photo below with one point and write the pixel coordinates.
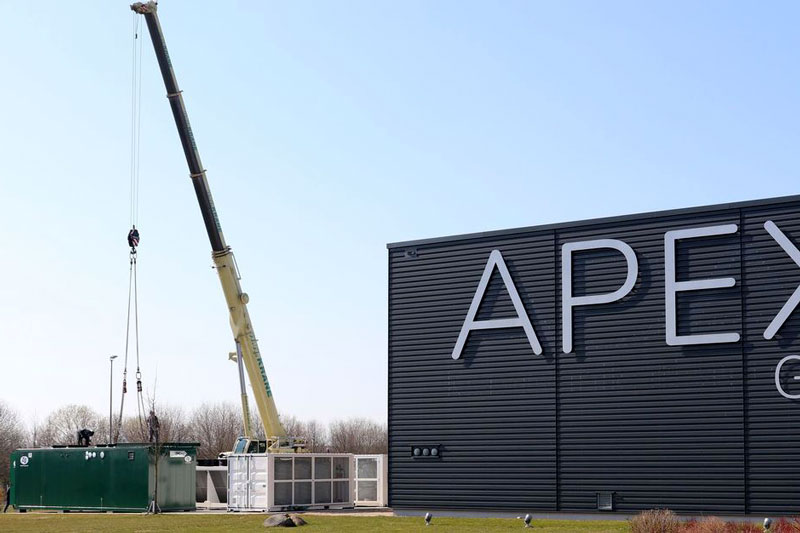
(358, 435)
(63, 424)
(12, 436)
(257, 427)
(173, 426)
(215, 427)
(133, 429)
(315, 433)
(316, 436)
(292, 425)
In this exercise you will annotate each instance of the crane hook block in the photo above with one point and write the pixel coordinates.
(133, 238)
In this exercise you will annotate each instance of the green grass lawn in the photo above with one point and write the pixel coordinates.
(63, 523)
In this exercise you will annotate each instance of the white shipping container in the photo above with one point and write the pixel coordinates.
(284, 481)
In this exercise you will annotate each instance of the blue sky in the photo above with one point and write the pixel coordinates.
(329, 129)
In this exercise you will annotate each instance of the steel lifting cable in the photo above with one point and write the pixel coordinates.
(139, 399)
(138, 106)
(133, 235)
(136, 118)
(132, 195)
(127, 344)
(138, 102)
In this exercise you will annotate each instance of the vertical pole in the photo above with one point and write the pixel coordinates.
(243, 390)
(111, 397)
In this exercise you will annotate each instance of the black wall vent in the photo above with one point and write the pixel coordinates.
(605, 501)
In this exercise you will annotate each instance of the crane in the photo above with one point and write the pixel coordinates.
(247, 354)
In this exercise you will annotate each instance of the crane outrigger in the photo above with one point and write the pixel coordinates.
(247, 354)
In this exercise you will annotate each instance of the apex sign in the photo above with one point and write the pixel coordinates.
(671, 289)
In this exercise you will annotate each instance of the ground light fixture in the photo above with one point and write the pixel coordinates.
(527, 520)
(767, 523)
(428, 518)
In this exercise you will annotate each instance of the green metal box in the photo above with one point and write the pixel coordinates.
(105, 478)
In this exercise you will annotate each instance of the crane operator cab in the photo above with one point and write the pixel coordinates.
(272, 445)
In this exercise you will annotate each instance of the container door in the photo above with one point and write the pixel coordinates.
(257, 485)
(367, 485)
(237, 482)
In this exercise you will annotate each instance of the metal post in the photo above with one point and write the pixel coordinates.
(111, 398)
(248, 432)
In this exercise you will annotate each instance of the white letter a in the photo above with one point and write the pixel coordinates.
(522, 320)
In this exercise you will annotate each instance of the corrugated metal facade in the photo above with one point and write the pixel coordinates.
(698, 428)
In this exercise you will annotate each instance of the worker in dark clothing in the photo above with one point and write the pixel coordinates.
(153, 426)
(133, 239)
(8, 497)
(85, 437)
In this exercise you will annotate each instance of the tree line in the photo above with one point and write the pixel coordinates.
(214, 425)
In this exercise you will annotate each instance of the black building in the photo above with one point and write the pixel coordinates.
(699, 416)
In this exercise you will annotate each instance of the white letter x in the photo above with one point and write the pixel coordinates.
(792, 302)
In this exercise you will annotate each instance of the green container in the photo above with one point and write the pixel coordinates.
(104, 478)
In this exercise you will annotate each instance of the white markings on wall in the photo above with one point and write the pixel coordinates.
(672, 287)
(522, 320)
(778, 377)
(568, 301)
(794, 299)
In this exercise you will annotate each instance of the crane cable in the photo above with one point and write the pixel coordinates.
(133, 234)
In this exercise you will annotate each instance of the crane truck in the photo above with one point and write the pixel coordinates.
(247, 355)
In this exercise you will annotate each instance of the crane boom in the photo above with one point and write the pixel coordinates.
(224, 261)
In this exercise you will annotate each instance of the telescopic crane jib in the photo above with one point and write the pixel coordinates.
(224, 261)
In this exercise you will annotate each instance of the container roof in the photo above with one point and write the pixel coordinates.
(121, 445)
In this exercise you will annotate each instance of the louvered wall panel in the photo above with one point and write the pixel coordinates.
(650, 422)
(773, 422)
(693, 428)
(493, 410)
